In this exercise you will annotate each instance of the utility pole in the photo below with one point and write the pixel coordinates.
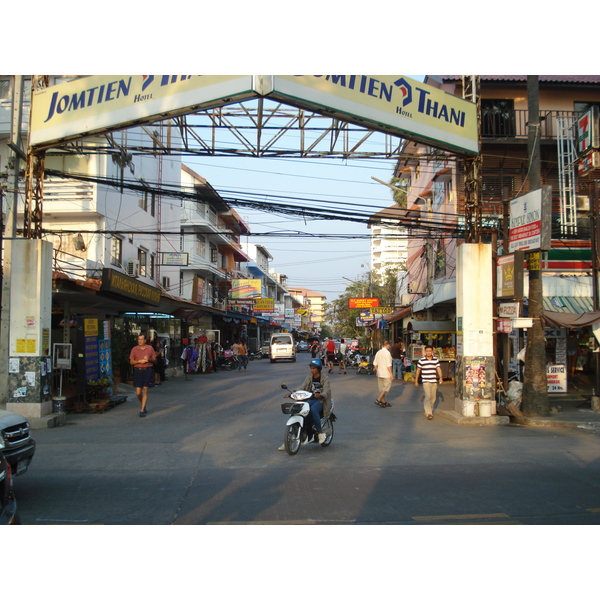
(535, 382)
(12, 203)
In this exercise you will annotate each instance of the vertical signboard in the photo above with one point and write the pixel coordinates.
(530, 222)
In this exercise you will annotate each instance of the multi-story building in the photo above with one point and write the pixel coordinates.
(315, 303)
(436, 199)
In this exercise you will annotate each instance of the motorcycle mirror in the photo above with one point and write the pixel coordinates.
(284, 387)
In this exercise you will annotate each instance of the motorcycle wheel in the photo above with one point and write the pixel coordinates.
(258, 356)
(291, 440)
(229, 365)
(329, 434)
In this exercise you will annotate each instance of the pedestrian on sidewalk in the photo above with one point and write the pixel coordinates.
(397, 352)
(142, 357)
(383, 370)
(330, 353)
(429, 366)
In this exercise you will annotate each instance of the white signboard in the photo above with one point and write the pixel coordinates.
(557, 378)
(530, 221)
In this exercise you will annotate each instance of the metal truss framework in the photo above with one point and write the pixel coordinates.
(255, 128)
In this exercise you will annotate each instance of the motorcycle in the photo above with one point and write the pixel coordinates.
(227, 361)
(255, 355)
(299, 427)
(353, 358)
(365, 366)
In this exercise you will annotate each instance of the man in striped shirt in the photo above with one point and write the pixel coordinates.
(430, 368)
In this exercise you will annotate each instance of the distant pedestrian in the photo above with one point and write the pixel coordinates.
(159, 364)
(142, 357)
(330, 353)
(398, 353)
(314, 349)
(242, 356)
(383, 369)
(429, 366)
(342, 350)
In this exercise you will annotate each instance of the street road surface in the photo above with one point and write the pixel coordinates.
(207, 454)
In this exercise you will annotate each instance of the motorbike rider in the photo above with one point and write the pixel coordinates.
(317, 383)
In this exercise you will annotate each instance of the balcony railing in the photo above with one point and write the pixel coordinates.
(513, 124)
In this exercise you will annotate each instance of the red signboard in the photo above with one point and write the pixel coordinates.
(363, 302)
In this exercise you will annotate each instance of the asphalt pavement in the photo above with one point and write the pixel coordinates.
(207, 453)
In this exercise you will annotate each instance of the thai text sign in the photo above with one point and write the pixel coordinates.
(531, 221)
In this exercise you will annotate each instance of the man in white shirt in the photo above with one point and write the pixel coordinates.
(383, 368)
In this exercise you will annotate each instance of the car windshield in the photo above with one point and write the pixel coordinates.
(281, 340)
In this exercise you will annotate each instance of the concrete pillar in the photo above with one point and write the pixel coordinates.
(475, 368)
(30, 361)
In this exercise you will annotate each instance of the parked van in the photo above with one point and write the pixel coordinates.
(281, 347)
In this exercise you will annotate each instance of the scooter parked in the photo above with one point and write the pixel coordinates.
(365, 366)
(299, 428)
(227, 361)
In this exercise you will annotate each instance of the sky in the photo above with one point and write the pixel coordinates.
(323, 265)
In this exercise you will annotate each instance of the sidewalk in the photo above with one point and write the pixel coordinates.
(571, 410)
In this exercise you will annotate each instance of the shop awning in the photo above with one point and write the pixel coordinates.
(568, 304)
(432, 326)
(570, 320)
(399, 315)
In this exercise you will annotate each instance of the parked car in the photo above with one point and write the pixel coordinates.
(9, 514)
(302, 347)
(16, 443)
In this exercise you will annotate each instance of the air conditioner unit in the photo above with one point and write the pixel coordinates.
(132, 268)
(583, 203)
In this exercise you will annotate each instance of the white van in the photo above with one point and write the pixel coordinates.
(282, 347)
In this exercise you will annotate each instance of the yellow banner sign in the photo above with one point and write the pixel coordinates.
(107, 102)
(392, 103)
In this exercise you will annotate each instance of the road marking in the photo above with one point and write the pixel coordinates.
(460, 517)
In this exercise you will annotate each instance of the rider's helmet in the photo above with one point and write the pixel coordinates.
(316, 362)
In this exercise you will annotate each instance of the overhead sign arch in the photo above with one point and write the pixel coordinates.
(392, 104)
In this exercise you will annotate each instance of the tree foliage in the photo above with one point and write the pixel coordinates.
(371, 284)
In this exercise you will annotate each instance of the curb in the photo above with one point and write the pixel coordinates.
(458, 419)
(550, 422)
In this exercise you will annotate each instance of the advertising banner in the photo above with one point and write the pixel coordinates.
(246, 288)
(509, 275)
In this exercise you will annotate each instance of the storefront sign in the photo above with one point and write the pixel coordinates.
(264, 305)
(557, 378)
(504, 325)
(509, 276)
(382, 310)
(174, 259)
(363, 302)
(587, 131)
(530, 221)
(509, 310)
(118, 283)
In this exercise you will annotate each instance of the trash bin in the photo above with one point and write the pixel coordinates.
(485, 408)
(59, 404)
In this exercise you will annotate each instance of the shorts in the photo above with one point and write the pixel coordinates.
(384, 384)
(331, 356)
(143, 377)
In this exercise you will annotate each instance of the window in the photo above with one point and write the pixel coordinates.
(152, 265)
(116, 250)
(497, 118)
(166, 283)
(143, 200)
(583, 107)
(142, 257)
(200, 245)
(214, 254)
